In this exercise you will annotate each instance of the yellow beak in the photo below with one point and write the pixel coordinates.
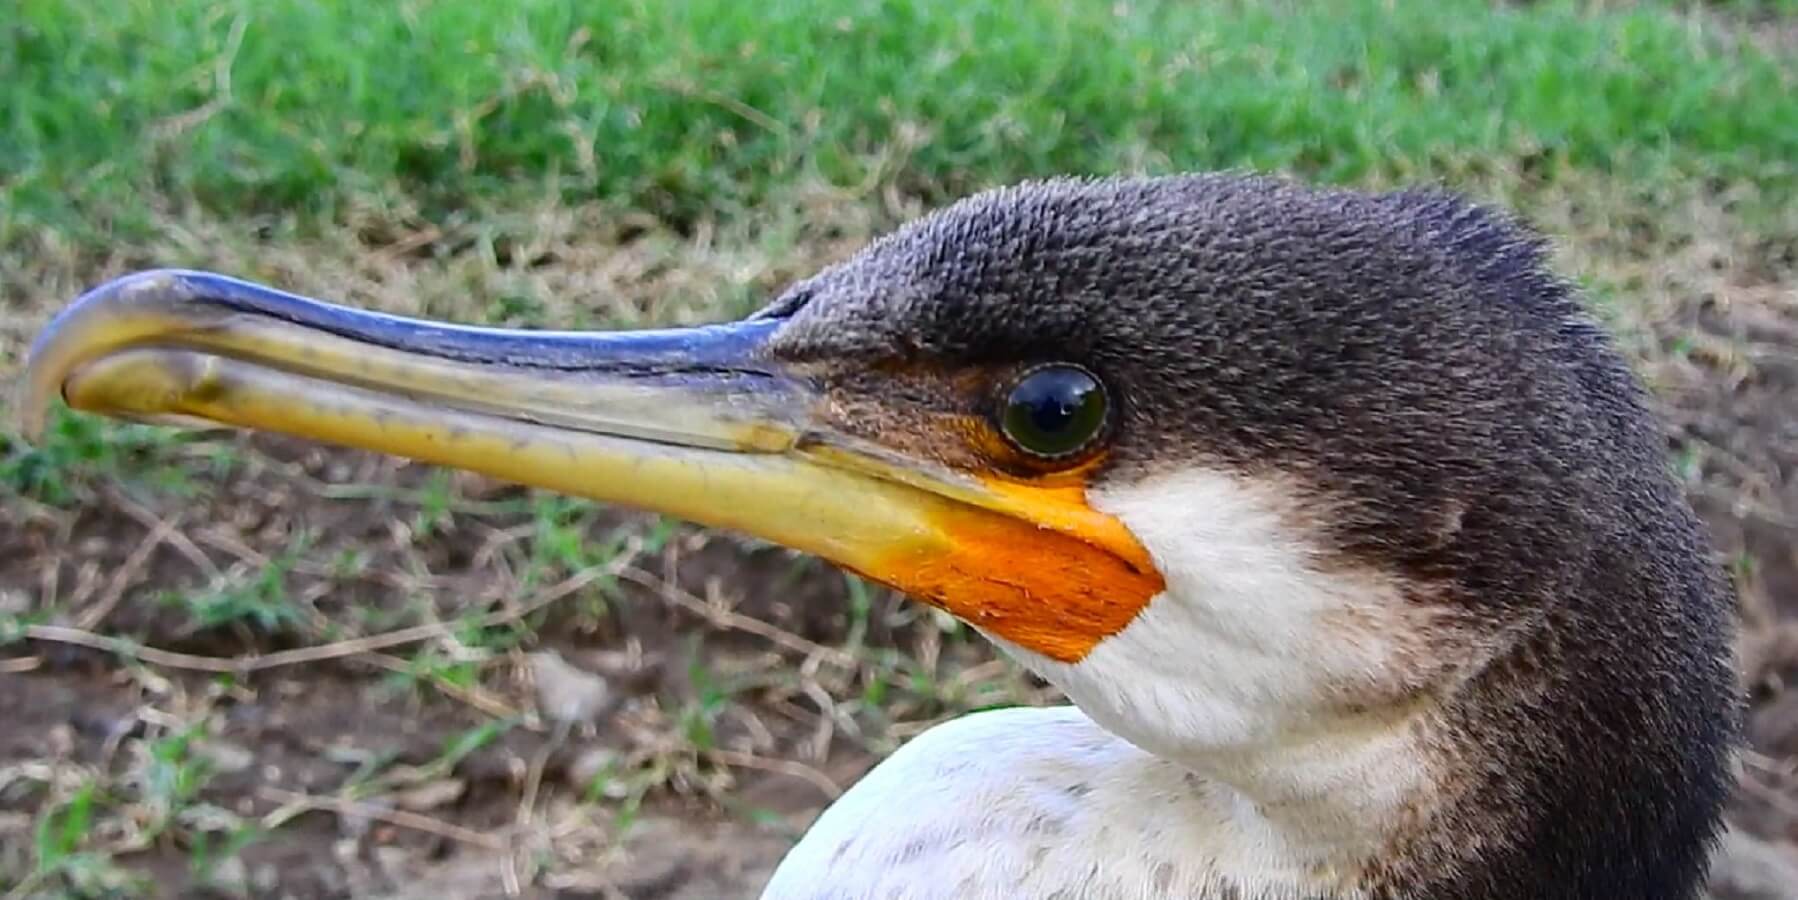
(699, 423)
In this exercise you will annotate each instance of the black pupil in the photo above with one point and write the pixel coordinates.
(1055, 411)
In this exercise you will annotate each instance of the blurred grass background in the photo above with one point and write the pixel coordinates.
(708, 107)
(560, 163)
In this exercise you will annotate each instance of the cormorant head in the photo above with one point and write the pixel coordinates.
(1243, 466)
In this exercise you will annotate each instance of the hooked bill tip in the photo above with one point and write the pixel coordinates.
(59, 347)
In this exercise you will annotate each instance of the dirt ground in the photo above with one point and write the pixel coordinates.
(655, 664)
(358, 677)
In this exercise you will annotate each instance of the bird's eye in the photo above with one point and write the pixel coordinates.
(1054, 411)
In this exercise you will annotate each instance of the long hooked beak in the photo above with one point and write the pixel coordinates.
(700, 423)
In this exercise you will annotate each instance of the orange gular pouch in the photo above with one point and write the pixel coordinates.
(1055, 576)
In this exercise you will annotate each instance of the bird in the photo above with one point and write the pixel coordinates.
(1342, 524)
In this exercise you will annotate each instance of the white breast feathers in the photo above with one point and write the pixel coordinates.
(1029, 804)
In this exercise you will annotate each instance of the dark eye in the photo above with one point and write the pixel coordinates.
(1054, 411)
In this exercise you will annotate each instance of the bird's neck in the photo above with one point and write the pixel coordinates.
(1321, 810)
(1493, 791)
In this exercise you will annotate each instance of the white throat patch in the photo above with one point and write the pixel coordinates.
(1295, 680)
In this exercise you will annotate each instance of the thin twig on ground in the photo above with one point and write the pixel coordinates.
(799, 770)
(293, 804)
(533, 782)
(20, 665)
(726, 618)
(176, 539)
(60, 634)
(127, 574)
(473, 695)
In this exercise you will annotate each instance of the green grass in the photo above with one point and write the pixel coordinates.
(254, 600)
(77, 451)
(687, 109)
(61, 860)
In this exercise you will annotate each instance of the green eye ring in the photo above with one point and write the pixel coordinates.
(1055, 411)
